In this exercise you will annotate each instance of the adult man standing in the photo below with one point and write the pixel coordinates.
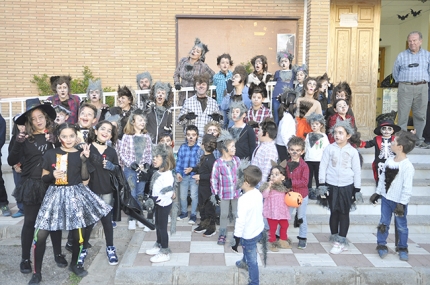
(4, 203)
(199, 109)
(144, 82)
(412, 71)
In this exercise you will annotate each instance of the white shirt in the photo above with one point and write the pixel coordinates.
(164, 180)
(249, 221)
(286, 129)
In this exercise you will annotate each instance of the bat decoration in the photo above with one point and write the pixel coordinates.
(402, 17)
(415, 13)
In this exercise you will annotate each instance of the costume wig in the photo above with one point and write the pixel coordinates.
(203, 47)
(141, 76)
(94, 85)
(314, 117)
(346, 124)
(223, 140)
(128, 92)
(284, 54)
(240, 69)
(238, 105)
(58, 80)
(168, 102)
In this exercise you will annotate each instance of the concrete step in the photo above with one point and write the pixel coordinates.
(422, 170)
(418, 205)
(421, 187)
(417, 155)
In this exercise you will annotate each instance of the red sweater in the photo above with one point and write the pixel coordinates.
(299, 178)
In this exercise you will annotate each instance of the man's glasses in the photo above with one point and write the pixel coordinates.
(413, 65)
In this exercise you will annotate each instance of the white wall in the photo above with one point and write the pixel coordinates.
(394, 38)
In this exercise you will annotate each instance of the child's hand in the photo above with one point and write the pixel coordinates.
(414, 131)
(85, 152)
(188, 170)
(179, 177)
(59, 174)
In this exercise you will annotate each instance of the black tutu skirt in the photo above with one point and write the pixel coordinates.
(30, 192)
(69, 208)
(340, 198)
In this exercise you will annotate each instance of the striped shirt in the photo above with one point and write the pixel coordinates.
(224, 178)
(404, 69)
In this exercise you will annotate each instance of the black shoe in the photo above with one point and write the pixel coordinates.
(25, 266)
(61, 261)
(35, 279)
(89, 246)
(199, 230)
(69, 247)
(78, 270)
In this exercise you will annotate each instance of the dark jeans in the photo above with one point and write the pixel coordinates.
(161, 218)
(249, 247)
(3, 193)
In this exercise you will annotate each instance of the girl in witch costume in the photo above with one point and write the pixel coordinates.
(135, 153)
(28, 149)
(103, 159)
(160, 114)
(284, 79)
(68, 203)
(382, 143)
(306, 105)
(162, 193)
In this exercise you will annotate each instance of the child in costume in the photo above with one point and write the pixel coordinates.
(213, 128)
(341, 172)
(341, 107)
(219, 79)
(274, 208)
(284, 79)
(323, 83)
(162, 191)
(315, 143)
(126, 105)
(188, 157)
(249, 224)
(395, 190)
(203, 175)
(87, 118)
(260, 73)
(102, 160)
(28, 149)
(340, 91)
(258, 112)
(301, 72)
(298, 172)
(306, 105)
(241, 132)
(287, 124)
(382, 142)
(159, 115)
(68, 203)
(61, 86)
(136, 154)
(224, 180)
(95, 96)
(62, 114)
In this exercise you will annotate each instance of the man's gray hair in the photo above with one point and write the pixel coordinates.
(415, 32)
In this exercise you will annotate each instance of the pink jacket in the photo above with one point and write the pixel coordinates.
(274, 206)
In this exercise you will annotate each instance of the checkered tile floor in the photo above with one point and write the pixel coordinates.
(191, 249)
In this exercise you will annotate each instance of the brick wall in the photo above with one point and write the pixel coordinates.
(115, 39)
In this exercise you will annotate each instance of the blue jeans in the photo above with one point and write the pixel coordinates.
(387, 210)
(301, 214)
(188, 183)
(137, 189)
(249, 247)
(275, 107)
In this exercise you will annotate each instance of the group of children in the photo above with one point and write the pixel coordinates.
(256, 156)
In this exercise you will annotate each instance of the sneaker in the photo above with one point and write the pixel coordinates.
(131, 225)
(403, 255)
(18, 214)
(61, 261)
(182, 216)
(25, 266)
(82, 256)
(69, 247)
(146, 229)
(302, 244)
(140, 225)
(79, 270)
(111, 255)
(114, 225)
(5, 210)
(192, 219)
(153, 251)
(221, 240)
(35, 279)
(169, 219)
(209, 233)
(160, 257)
(241, 265)
(382, 251)
(199, 229)
(422, 144)
(338, 248)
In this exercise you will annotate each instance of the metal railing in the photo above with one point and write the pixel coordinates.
(9, 107)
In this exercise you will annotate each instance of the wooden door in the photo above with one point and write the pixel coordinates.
(353, 55)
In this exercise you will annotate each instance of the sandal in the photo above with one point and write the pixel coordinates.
(221, 240)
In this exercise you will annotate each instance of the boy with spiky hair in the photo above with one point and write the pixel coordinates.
(241, 132)
(395, 190)
(224, 62)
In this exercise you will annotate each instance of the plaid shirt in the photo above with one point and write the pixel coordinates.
(263, 154)
(127, 153)
(224, 179)
(188, 156)
(403, 73)
(258, 117)
(73, 102)
(220, 81)
(193, 105)
(186, 78)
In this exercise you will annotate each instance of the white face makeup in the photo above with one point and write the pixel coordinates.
(258, 65)
(160, 97)
(341, 136)
(276, 176)
(285, 63)
(342, 108)
(213, 131)
(387, 131)
(224, 65)
(63, 91)
(94, 95)
(191, 137)
(300, 77)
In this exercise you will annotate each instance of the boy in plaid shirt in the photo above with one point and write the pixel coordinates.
(258, 112)
(188, 157)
